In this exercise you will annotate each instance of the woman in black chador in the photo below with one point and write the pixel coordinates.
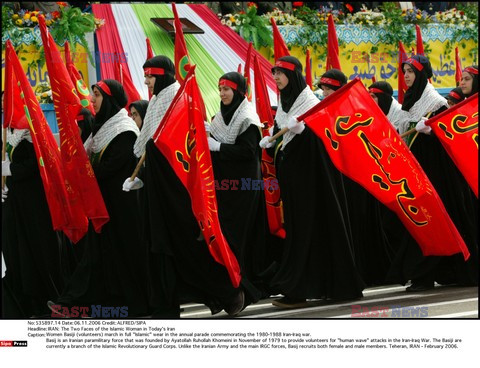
(318, 260)
(422, 101)
(112, 269)
(233, 142)
(29, 244)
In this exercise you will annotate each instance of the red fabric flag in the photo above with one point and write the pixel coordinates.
(182, 60)
(82, 90)
(333, 61)
(149, 56)
(366, 147)
(272, 190)
(279, 46)
(419, 41)
(149, 49)
(402, 86)
(182, 139)
(84, 193)
(458, 67)
(374, 79)
(457, 129)
(123, 77)
(246, 72)
(239, 69)
(308, 69)
(13, 114)
(62, 211)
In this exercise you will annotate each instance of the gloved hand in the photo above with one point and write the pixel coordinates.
(207, 127)
(213, 144)
(270, 130)
(265, 142)
(4, 193)
(129, 185)
(422, 128)
(295, 126)
(6, 167)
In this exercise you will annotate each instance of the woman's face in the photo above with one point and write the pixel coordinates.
(409, 75)
(280, 79)
(226, 94)
(450, 102)
(374, 96)
(327, 91)
(466, 83)
(150, 82)
(136, 117)
(97, 99)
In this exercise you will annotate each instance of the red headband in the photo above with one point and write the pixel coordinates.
(332, 82)
(415, 63)
(80, 117)
(103, 86)
(228, 83)
(375, 90)
(149, 71)
(455, 95)
(471, 70)
(285, 65)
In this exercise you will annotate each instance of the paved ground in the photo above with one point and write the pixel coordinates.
(379, 302)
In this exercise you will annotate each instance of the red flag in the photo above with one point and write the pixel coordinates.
(419, 41)
(279, 46)
(246, 72)
(271, 189)
(308, 69)
(83, 190)
(13, 114)
(182, 139)
(457, 129)
(149, 56)
(182, 60)
(333, 62)
(374, 79)
(458, 67)
(402, 86)
(366, 147)
(149, 49)
(239, 69)
(62, 211)
(123, 77)
(77, 80)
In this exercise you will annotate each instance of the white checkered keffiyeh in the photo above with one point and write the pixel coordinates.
(118, 123)
(304, 102)
(241, 120)
(18, 135)
(156, 109)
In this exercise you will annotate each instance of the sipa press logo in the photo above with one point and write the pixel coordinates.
(13, 343)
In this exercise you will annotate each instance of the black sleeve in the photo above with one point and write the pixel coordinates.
(24, 164)
(244, 148)
(118, 152)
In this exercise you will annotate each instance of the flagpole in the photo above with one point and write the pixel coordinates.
(4, 149)
(279, 134)
(408, 132)
(139, 166)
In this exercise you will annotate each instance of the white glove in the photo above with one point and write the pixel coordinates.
(207, 127)
(295, 126)
(265, 142)
(270, 130)
(422, 128)
(6, 167)
(213, 144)
(129, 185)
(4, 193)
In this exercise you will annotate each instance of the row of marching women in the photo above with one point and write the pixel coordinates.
(188, 219)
